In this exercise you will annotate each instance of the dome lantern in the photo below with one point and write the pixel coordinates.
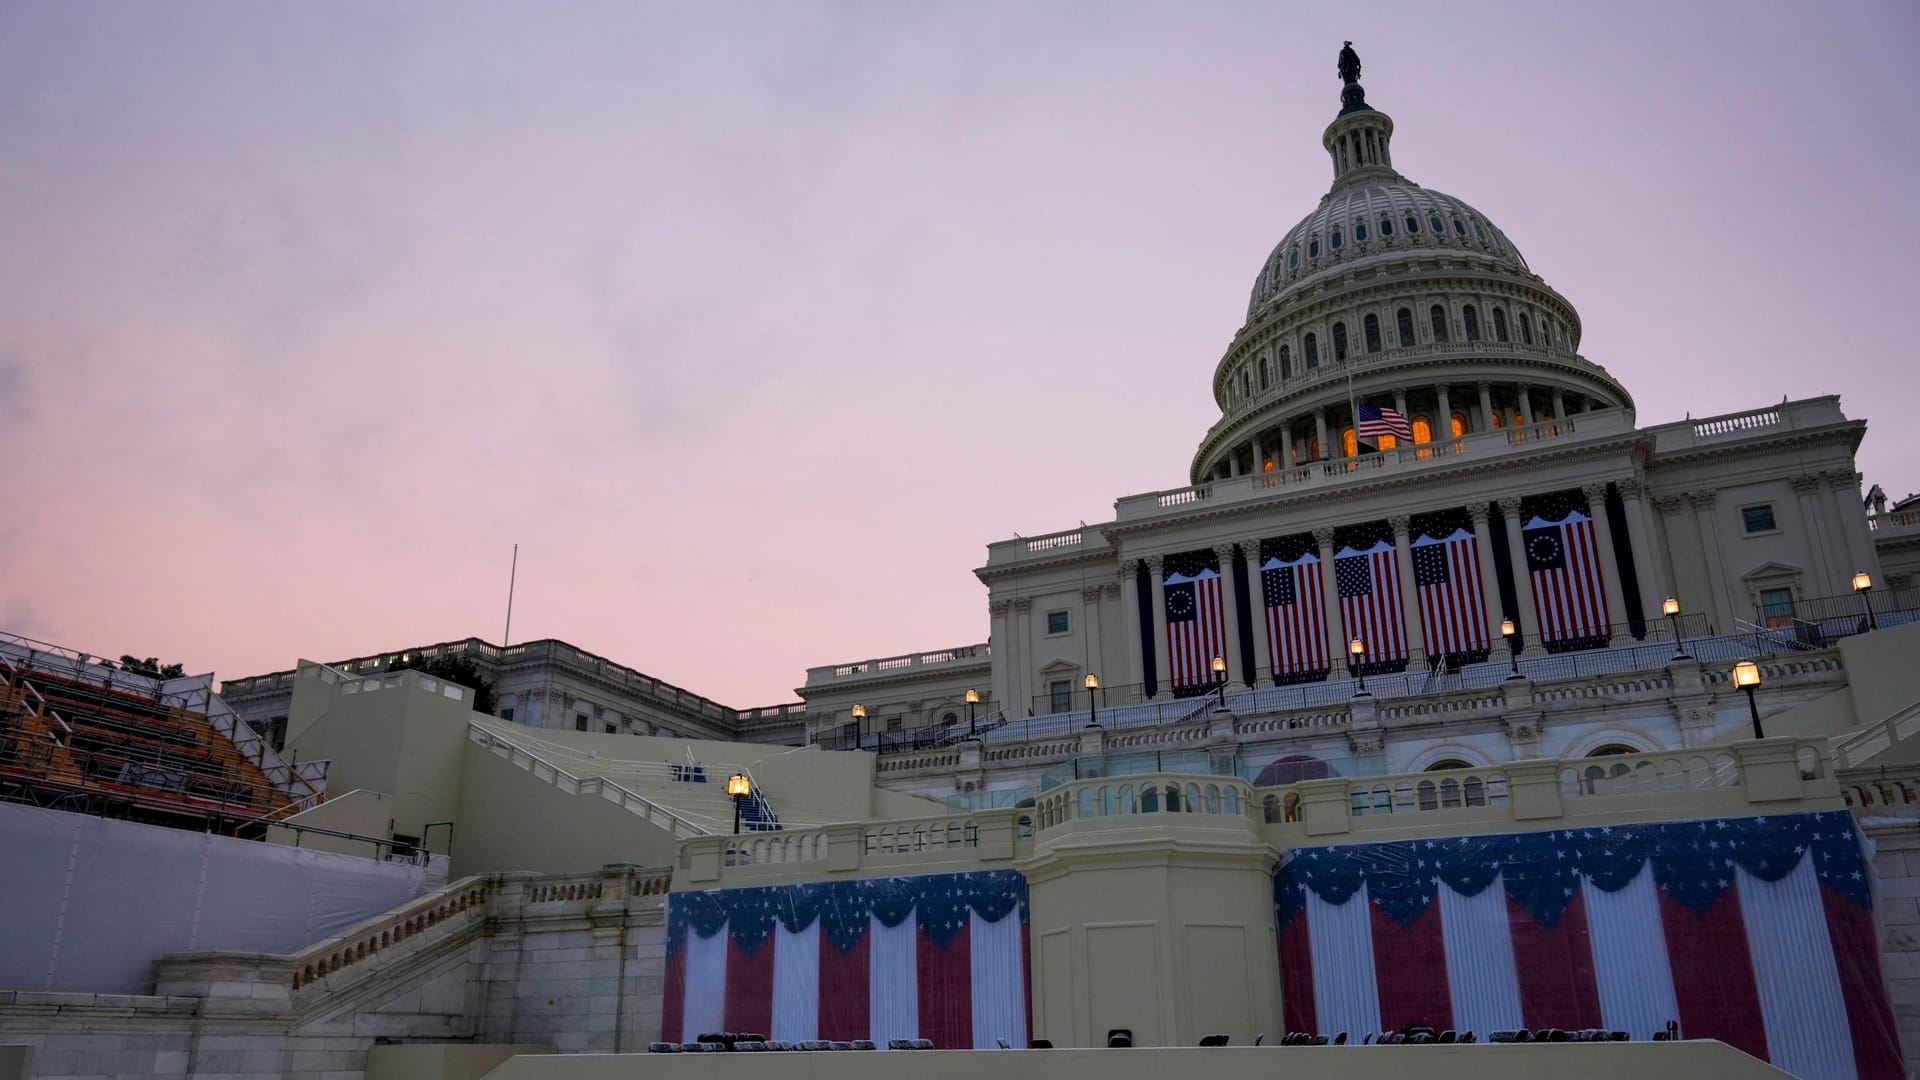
(1358, 138)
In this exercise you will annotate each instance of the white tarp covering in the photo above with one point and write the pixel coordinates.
(89, 904)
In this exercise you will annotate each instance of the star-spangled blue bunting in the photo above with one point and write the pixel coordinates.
(1693, 862)
(939, 903)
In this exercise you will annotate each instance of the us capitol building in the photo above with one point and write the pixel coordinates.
(1516, 492)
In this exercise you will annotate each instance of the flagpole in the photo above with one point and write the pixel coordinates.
(507, 634)
(1353, 410)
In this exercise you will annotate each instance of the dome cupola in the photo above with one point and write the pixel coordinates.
(1393, 295)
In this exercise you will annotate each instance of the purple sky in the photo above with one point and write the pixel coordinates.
(753, 326)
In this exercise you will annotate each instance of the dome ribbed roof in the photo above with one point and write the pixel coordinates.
(1369, 220)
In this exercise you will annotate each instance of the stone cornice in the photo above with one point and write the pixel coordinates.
(896, 678)
(1846, 434)
(1431, 476)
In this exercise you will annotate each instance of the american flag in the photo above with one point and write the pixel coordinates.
(1195, 633)
(1453, 603)
(1563, 563)
(1378, 420)
(1369, 584)
(1296, 615)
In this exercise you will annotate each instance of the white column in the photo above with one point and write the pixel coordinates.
(998, 636)
(1525, 618)
(1163, 679)
(1489, 574)
(1400, 401)
(1409, 591)
(1257, 607)
(1711, 557)
(1652, 589)
(1254, 445)
(1559, 404)
(1609, 562)
(1327, 449)
(1526, 405)
(1130, 617)
(1443, 424)
(1022, 652)
(1486, 407)
(1850, 520)
(1090, 615)
(1229, 612)
(1330, 592)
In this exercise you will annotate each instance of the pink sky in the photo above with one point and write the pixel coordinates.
(753, 326)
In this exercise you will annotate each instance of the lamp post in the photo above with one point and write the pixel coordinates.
(973, 698)
(1509, 632)
(1746, 676)
(1670, 607)
(1220, 678)
(1861, 583)
(860, 721)
(1093, 709)
(739, 787)
(1358, 650)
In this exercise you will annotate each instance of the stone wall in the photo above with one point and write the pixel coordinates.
(574, 963)
(1896, 864)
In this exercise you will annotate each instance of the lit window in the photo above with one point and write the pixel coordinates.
(1313, 449)
(1404, 323)
(1347, 441)
(1422, 429)
(1057, 622)
(1060, 695)
(1459, 424)
(1269, 466)
(1359, 232)
(1372, 328)
(1336, 239)
(1776, 607)
(1758, 519)
(1339, 341)
(1437, 315)
(1387, 442)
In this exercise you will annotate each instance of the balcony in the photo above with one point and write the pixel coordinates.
(1322, 476)
(1790, 416)
(958, 658)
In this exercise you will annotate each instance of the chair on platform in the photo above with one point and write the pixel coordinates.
(923, 1044)
(899, 1044)
(1118, 1038)
(1260, 1038)
(663, 1048)
(1340, 1039)
(750, 1046)
(1040, 1044)
(813, 1044)
(839, 1044)
(1319, 1040)
(1215, 1040)
(861, 1044)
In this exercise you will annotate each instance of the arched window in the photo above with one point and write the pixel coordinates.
(1445, 764)
(1422, 429)
(1497, 419)
(1266, 372)
(1472, 320)
(1499, 324)
(1313, 449)
(1403, 320)
(1526, 329)
(1413, 225)
(1459, 424)
(1386, 442)
(1313, 248)
(1286, 362)
(1386, 226)
(1313, 351)
(1348, 443)
(1611, 749)
(1359, 232)
(1372, 328)
(1336, 239)
(1438, 316)
(1339, 341)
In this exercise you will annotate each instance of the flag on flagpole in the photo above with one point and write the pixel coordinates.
(1378, 420)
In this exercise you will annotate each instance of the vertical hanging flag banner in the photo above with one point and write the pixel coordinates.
(1196, 629)
(937, 956)
(1453, 601)
(1296, 616)
(1563, 566)
(1369, 584)
(1755, 931)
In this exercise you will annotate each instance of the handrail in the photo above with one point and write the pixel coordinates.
(389, 929)
(562, 778)
(1858, 747)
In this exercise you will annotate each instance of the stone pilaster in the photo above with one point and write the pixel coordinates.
(1129, 586)
(1330, 594)
(1609, 561)
(1156, 574)
(1226, 554)
(1526, 618)
(1489, 574)
(1409, 590)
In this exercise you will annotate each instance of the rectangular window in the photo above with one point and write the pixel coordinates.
(1758, 519)
(507, 715)
(1057, 622)
(1776, 607)
(850, 734)
(580, 723)
(893, 723)
(1062, 695)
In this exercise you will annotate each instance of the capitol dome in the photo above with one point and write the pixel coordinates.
(1391, 296)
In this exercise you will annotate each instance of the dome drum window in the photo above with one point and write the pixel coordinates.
(1339, 341)
(1471, 318)
(1526, 329)
(1286, 362)
(1371, 327)
(1499, 324)
(1437, 315)
(1313, 351)
(1403, 321)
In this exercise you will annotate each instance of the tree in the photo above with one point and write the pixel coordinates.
(457, 668)
(151, 667)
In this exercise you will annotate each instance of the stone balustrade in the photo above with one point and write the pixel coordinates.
(1143, 793)
(968, 841)
(1664, 785)
(325, 958)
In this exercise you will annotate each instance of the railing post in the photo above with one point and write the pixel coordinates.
(1533, 790)
(1769, 769)
(846, 847)
(703, 857)
(1327, 805)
